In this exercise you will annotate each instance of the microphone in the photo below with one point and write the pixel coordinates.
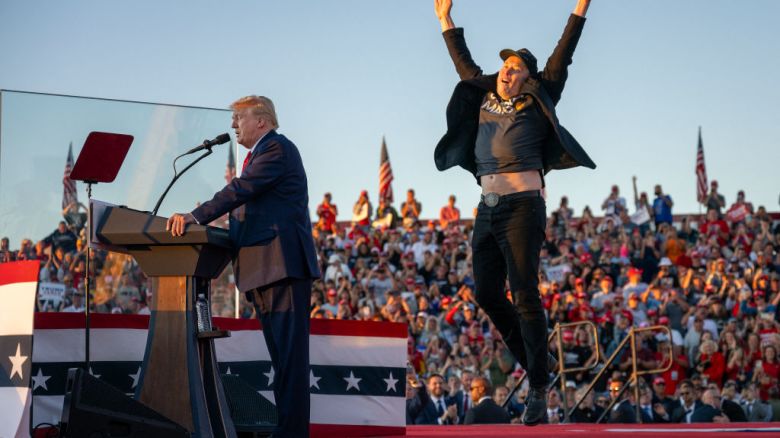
(207, 144)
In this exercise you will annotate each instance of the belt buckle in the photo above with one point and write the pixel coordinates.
(491, 199)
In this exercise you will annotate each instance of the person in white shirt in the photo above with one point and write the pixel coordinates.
(77, 302)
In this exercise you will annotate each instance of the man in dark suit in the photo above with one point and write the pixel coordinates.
(437, 409)
(709, 411)
(502, 128)
(275, 260)
(462, 397)
(687, 405)
(484, 410)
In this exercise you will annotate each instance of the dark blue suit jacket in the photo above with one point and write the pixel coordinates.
(269, 216)
(429, 413)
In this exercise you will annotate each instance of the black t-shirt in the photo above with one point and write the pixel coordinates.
(510, 136)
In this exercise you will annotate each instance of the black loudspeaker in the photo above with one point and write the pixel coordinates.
(250, 411)
(95, 409)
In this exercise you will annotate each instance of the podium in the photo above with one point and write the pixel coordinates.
(179, 377)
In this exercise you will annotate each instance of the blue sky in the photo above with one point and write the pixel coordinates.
(343, 73)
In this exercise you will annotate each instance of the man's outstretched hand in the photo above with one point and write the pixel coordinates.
(178, 222)
(443, 9)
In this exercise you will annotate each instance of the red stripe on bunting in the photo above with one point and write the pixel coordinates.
(331, 327)
(341, 430)
(19, 272)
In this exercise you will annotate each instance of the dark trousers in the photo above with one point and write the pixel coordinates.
(283, 310)
(506, 243)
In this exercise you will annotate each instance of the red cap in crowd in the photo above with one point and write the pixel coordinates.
(634, 272)
(446, 301)
(663, 320)
(629, 316)
(579, 281)
(568, 335)
(659, 381)
(759, 294)
(331, 292)
(652, 312)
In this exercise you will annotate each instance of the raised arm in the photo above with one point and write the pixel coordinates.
(456, 43)
(555, 71)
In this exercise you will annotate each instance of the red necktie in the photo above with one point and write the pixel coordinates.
(246, 160)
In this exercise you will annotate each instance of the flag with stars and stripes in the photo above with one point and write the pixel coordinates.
(69, 193)
(357, 378)
(18, 283)
(701, 172)
(385, 175)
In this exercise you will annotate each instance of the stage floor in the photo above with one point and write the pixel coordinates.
(598, 431)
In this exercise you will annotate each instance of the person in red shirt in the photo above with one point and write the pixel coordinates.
(678, 371)
(327, 213)
(714, 226)
(768, 374)
(449, 214)
(711, 362)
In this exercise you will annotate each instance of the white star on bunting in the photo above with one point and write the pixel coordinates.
(391, 382)
(17, 361)
(270, 376)
(228, 371)
(314, 381)
(352, 381)
(97, 376)
(135, 377)
(39, 380)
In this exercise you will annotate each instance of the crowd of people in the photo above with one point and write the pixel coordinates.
(713, 281)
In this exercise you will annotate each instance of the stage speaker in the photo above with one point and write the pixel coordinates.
(250, 411)
(95, 409)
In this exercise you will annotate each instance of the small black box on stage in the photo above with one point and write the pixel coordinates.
(95, 409)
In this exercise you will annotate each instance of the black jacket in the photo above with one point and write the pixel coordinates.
(733, 410)
(705, 414)
(487, 412)
(623, 412)
(678, 414)
(561, 150)
(586, 415)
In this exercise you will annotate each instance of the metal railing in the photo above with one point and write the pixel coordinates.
(633, 380)
(562, 370)
(630, 339)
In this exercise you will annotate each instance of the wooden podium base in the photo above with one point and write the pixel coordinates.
(179, 377)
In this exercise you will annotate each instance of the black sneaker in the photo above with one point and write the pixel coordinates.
(535, 406)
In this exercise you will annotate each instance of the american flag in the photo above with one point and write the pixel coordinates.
(230, 171)
(385, 175)
(69, 193)
(701, 172)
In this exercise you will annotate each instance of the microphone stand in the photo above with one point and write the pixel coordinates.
(177, 175)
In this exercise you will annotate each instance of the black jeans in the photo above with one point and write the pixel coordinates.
(506, 243)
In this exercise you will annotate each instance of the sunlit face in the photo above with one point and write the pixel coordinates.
(436, 386)
(511, 77)
(248, 127)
